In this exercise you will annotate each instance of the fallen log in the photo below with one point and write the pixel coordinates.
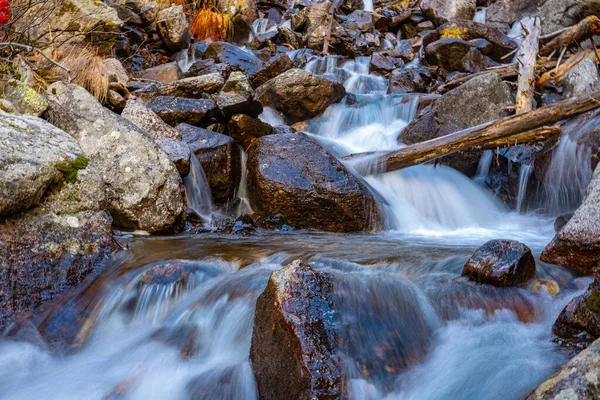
(541, 134)
(554, 77)
(527, 61)
(512, 129)
(579, 32)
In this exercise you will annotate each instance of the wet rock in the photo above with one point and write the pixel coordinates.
(126, 15)
(237, 97)
(300, 95)
(175, 110)
(501, 263)
(181, 336)
(456, 55)
(243, 226)
(73, 21)
(227, 383)
(360, 20)
(208, 66)
(312, 22)
(193, 87)
(238, 59)
(149, 12)
(246, 129)
(173, 27)
(243, 12)
(499, 44)
(165, 136)
(165, 73)
(578, 324)
(406, 80)
(219, 157)
(43, 256)
(383, 64)
(293, 175)
(275, 66)
(561, 221)
(33, 155)
(577, 244)
(293, 344)
(440, 11)
(584, 78)
(553, 13)
(168, 273)
(25, 99)
(144, 187)
(481, 99)
(577, 379)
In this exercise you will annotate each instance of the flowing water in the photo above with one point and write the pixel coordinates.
(171, 318)
(197, 191)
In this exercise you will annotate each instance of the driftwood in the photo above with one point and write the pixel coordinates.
(512, 129)
(555, 76)
(332, 10)
(527, 61)
(583, 30)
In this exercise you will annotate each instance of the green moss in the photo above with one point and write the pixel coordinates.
(451, 32)
(69, 170)
(219, 183)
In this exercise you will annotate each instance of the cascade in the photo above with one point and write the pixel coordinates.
(197, 190)
(244, 206)
(483, 168)
(480, 15)
(525, 172)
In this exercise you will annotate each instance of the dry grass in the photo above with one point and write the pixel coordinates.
(87, 69)
(209, 23)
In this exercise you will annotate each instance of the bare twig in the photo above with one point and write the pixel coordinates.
(32, 49)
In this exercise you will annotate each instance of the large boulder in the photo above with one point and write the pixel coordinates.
(577, 244)
(300, 95)
(276, 65)
(144, 187)
(165, 136)
(501, 263)
(220, 159)
(175, 110)
(452, 54)
(237, 97)
(479, 100)
(246, 129)
(25, 99)
(579, 322)
(72, 21)
(441, 11)
(584, 78)
(173, 27)
(43, 256)
(293, 175)
(577, 379)
(33, 155)
(293, 344)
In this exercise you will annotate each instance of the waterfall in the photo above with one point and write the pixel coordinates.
(271, 117)
(483, 168)
(354, 74)
(480, 15)
(524, 173)
(197, 190)
(185, 59)
(567, 176)
(244, 206)
(368, 5)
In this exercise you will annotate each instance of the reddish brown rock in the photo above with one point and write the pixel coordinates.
(293, 346)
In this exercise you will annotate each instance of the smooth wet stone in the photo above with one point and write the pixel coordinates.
(293, 175)
(293, 343)
(219, 156)
(175, 110)
(33, 155)
(246, 129)
(501, 263)
(144, 186)
(237, 97)
(577, 244)
(578, 324)
(276, 65)
(238, 59)
(300, 95)
(576, 380)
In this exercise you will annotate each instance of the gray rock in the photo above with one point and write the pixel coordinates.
(584, 78)
(220, 159)
(238, 59)
(173, 27)
(165, 73)
(553, 14)
(175, 110)
(144, 187)
(441, 11)
(300, 95)
(577, 244)
(576, 380)
(24, 98)
(193, 87)
(116, 72)
(33, 155)
(165, 136)
(275, 66)
(149, 12)
(237, 97)
(406, 80)
(501, 263)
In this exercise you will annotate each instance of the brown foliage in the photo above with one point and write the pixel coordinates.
(209, 23)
